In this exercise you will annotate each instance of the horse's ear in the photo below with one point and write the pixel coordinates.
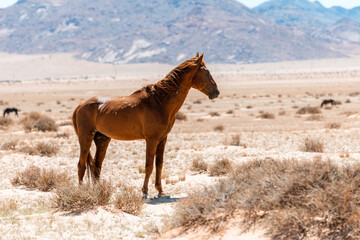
(200, 59)
(197, 54)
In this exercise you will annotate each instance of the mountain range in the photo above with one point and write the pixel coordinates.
(169, 31)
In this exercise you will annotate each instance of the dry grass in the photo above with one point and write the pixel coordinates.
(129, 199)
(235, 140)
(333, 125)
(314, 117)
(69, 197)
(42, 179)
(41, 148)
(35, 120)
(62, 135)
(219, 128)
(214, 114)
(10, 145)
(7, 207)
(312, 145)
(309, 110)
(290, 199)
(266, 115)
(220, 167)
(181, 116)
(5, 122)
(199, 165)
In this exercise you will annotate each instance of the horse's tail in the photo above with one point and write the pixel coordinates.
(74, 118)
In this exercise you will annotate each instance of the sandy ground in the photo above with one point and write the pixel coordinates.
(54, 84)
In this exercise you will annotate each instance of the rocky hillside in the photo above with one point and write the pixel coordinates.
(166, 31)
(335, 24)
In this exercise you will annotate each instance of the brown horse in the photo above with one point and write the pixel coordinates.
(148, 113)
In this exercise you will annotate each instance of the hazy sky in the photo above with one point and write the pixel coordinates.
(326, 3)
(250, 3)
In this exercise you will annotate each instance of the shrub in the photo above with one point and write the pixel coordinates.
(266, 115)
(180, 116)
(35, 120)
(45, 124)
(312, 145)
(220, 167)
(214, 114)
(197, 101)
(69, 197)
(42, 179)
(282, 113)
(219, 128)
(5, 122)
(314, 117)
(63, 135)
(199, 165)
(41, 148)
(308, 109)
(290, 199)
(235, 140)
(129, 199)
(230, 111)
(10, 145)
(333, 125)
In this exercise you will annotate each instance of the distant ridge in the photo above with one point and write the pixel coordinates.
(169, 31)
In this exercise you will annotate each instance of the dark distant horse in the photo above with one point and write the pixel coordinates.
(328, 101)
(148, 113)
(9, 110)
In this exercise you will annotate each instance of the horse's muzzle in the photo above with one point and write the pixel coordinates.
(214, 94)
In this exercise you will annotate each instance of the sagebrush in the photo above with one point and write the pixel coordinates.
(291, 199)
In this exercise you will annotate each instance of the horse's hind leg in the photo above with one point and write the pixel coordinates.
(102, 143)
(85, 144)
(159, 164)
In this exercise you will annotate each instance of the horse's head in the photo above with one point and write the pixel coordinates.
(203, 81)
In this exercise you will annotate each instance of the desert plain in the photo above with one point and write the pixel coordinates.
(258, 104)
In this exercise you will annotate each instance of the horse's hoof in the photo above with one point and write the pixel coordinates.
(145, 196)
(163, 195)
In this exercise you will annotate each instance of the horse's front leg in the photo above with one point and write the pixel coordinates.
(159, 164)
(151, 145)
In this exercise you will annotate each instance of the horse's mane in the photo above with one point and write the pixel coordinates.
(171, 82)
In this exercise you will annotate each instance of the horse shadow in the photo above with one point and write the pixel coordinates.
(163, 199)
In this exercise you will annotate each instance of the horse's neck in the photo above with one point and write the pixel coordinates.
(177, 98)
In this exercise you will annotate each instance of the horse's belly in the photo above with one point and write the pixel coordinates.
(119, 127)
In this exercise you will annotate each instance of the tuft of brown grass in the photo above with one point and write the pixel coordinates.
(220, 167)
(199, 165)
(312, 145)
(314, 117)
(5, 122)
(309, 110)
(35, 120)
(62, 135)
(266, 115)
(45, 124)
(333, 125)
(129, 199)
(235, 140)
(219, 128)
(41, 148)
(10, 145)
(181, 116)
(42, 179)
(291, 199)
(7, 207)
(69, 197)
(214, 114)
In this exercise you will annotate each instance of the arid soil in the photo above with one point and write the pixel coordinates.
(54, 85)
